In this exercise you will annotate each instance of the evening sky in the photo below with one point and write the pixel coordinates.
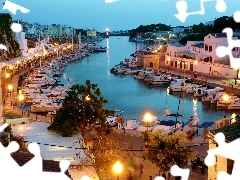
(119, 15)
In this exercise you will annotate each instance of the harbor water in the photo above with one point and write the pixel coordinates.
(134, 97)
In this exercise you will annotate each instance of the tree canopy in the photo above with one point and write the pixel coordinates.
(149, 28)
(82, 111)
(198, 32)
(166, 150)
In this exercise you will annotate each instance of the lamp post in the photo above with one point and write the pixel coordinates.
(117, 167)
(147, 118)
(21, 98)
(225, 98)
(87, 98)
(10, 88)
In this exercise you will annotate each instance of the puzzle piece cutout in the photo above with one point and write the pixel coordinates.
(111, 1)
(227, 150)
(12, 7)
(182, 6)
(32, 169)
(222, 51)
(236, 16)
(177, 171)
(159, 178)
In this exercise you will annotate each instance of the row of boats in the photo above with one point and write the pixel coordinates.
(177, 83)
(42, 90)
(150, 124)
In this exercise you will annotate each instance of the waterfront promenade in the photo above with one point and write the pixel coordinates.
(131, 137)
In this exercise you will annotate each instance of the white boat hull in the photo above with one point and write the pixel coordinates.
(42, 108)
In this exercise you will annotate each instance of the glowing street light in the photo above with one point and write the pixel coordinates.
(117, 167)
(10, 88)
(7, 75)
(225, 98)
(87, 98)
(21, 98)
(147, 118)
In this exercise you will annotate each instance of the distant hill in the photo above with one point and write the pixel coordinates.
(149, 28)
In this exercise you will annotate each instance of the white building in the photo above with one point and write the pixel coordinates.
(180, 29)
(22, 43)
(209, 23)
(39, 46)
(201, 56)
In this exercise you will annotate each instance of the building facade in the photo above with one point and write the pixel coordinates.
(201, 56)
(148, 60)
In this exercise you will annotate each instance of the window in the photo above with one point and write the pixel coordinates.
(210, 48)
(206, 47)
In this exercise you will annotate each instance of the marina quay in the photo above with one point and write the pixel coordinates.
(119, 104)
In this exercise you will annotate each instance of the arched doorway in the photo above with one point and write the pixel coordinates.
(151, 64)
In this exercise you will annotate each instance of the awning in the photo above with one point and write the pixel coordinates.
(187, 53)
(204, 55)
(206, 125)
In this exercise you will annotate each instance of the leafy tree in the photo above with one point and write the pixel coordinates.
(102, 151)
(148, 28)
(166, 150)
(7, 37)
(82, 111)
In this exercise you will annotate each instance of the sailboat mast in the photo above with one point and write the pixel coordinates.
(72, 40)
(79, 40)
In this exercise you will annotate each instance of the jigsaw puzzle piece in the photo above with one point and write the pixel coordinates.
(12, 7)
(222, 51)
(2, 127)
(224, 176)
(159, 178)
(221, 6)
(177, 171)
(16, 27)
(181, 7)
(35, 162)
(64, 164)
(236, 16)
(3, 47)
(7, 163)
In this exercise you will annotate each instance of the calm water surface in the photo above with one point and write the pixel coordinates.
(128, 94)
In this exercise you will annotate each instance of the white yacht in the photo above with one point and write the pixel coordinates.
(46, 106)
(178, 85)
(159, 79)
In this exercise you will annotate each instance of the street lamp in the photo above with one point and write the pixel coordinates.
(10, 88)
(87, 98)
(117, 167)
(21, 98)
(7, 75)
(147, 118)
(225, 98)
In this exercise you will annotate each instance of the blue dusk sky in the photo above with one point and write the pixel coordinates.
(119, 15)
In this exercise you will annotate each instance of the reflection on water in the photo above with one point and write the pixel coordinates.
(132, 96)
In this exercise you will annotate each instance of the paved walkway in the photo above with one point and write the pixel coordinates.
(133, 139)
